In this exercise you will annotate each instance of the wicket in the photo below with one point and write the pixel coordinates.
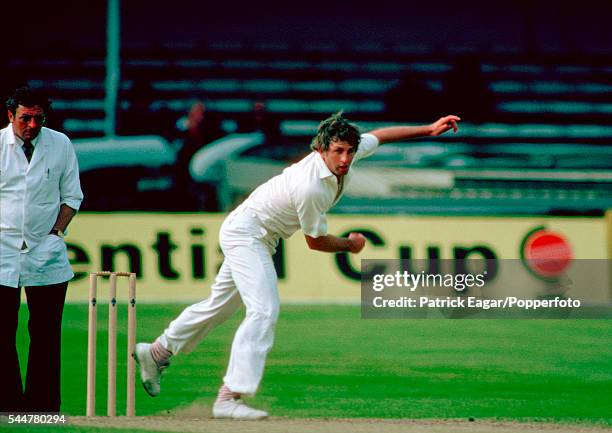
(112, 343)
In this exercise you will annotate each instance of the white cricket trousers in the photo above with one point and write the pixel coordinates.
(248, 275)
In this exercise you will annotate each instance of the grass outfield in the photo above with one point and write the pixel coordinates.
(328, 362)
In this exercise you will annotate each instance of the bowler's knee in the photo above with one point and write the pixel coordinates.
(266, 316)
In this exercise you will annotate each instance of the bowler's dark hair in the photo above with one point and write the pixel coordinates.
(28, 98)
(335, 128)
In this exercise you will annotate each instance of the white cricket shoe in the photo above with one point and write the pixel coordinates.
(236, 409)
(150, 372)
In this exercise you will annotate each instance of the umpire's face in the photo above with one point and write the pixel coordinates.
(338, 157)
(27, 121)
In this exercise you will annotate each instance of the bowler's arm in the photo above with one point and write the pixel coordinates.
(333, 244)
(400, 133)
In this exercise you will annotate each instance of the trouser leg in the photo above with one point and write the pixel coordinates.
(255, 277)
(11, 391)
(42, 389)
(197, 320)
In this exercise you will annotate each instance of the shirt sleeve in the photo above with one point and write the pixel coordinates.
(70, 185)
(367, 146)
(311, 211)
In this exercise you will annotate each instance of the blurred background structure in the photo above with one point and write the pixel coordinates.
(213, 98)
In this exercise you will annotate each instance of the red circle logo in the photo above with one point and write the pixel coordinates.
(547, 253)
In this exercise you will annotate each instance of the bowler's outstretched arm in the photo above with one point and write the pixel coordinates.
(399, 133)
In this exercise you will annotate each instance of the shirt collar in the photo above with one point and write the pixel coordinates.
(18, 141)
(321, 166)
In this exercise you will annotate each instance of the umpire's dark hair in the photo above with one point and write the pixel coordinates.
(28, 98)
(335, 127)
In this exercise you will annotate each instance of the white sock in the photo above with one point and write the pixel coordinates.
(160, 354)
(226, 394)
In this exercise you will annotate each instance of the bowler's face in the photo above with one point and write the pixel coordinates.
(338, 157)
(27, 121)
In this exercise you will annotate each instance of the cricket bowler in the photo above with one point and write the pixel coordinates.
(297, 199)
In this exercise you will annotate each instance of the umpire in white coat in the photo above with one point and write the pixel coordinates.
(40, 192)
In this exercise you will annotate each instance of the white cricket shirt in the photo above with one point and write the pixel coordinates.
(30, 198)
(302, 194)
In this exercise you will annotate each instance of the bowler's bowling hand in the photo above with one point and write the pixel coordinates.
(443, 124)
(357, 241)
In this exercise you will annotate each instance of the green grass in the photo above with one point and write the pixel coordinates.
(328, 362)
